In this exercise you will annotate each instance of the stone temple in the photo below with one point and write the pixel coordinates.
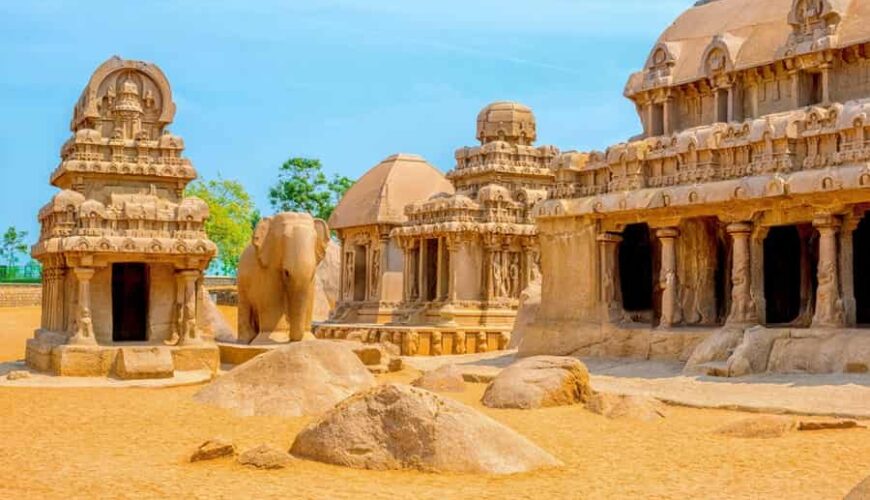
(464, 254)
(732, 233)
(123, 251)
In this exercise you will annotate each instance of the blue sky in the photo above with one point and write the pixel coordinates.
(349, 82)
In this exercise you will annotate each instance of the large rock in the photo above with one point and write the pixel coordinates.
(530, 302)
(303, 378)
(617, 406)
(447, 378)
(402, 427)
(539, 382)
(212, 322)
(327, 283)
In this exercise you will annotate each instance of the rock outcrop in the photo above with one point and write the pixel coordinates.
(402, 427)
(530, 302)
(303, 378)
(616, 406)
(447, 378)
(539, 382)
(763, 427)
(327, 283)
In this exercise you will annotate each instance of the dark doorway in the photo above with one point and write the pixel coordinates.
(130, 302)
(359, 274)
(782, 274)
(431, 269)
(861, 262)
(636, 268)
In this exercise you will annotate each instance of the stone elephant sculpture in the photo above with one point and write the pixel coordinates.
(276, 278)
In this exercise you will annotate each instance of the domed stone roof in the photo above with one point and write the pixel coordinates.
(381, 194)
(506, 121)
(741, 34)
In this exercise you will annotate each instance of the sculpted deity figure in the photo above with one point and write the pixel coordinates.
(497, 275)
(376, 271)
(348, 275)
(514, 274)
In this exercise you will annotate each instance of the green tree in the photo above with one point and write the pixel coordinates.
(303, 187)
(230, 214)
(13, 245)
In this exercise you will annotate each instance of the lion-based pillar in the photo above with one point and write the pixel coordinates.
(847, 269)
(829, 303)
(671, 313)
(611, 294)
(83, 333)
(742, 305)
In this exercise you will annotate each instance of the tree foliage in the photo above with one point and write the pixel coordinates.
(303, 187)
(13, 246)
(231, 218)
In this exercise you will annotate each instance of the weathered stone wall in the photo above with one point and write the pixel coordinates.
(20, 295)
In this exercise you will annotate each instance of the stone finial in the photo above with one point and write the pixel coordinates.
(506, 121)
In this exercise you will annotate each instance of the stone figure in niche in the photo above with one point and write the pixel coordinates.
(515, 275)
(376, 271)
(149, 99)
(348, 275)
(276, 278)
(497, 275)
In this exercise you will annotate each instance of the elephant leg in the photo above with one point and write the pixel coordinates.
(300, 311)
(245, 323)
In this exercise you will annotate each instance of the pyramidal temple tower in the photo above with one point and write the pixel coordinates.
(122, 250)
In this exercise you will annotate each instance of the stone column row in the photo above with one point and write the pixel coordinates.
(834, 301)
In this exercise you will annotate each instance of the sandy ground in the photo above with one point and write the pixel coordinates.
(132, 443)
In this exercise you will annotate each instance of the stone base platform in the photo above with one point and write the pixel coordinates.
(735, 351)
(48, 353)
(378, 358)
(422, 340)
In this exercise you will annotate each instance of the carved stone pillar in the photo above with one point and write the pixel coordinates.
(829, 303)
(422, 282)
(84, 327)
(742, 305)
(671, 314)
(189, 333)
(756, 269)
(847, 270)
(610, 293)
(439, 271)
(453, 244)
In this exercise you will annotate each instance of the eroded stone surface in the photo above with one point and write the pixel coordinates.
(617, 406)
(217, 447)
(402, 427)
(758, 427)
(265, 456)
(539, 382)
(302, 378)
(133, 363)
(447, 378)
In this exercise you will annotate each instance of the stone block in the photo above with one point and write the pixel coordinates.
(200, 357)
(135, 363)
(82, 361)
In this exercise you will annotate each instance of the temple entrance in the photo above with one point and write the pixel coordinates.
(861, 249)
(359, 273)
(130, 292)
(431, 269)
(636, 271)
(789, 275)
